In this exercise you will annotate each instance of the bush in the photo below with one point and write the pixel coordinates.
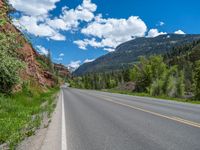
(155, 77)
(156, 88)
(10, 65)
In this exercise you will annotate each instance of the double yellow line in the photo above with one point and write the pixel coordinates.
(177, 119)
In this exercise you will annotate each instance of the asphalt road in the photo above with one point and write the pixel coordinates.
(105, 121)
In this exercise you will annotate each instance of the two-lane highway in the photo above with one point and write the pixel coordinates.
(105, 121)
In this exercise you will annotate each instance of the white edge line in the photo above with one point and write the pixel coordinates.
(63, 134)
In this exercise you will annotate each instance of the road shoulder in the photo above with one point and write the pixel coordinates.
(49, 134)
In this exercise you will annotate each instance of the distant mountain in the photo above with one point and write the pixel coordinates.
(127, 53)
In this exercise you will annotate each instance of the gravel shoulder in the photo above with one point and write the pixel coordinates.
(48, 136)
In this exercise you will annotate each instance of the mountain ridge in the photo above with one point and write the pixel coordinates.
(126, 54)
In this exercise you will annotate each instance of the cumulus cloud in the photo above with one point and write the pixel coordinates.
(83, 12)
(37, 21)
(161, 23)
(82, 44)
(99, 32)
(37, 27)
(179, 32)
(88, 60)
(74, 64)
(111, 32)
(42, 50)
(154, 33)
(34, 7)
(87, 4)
(61, 55)
(57, 23)
(109, 49)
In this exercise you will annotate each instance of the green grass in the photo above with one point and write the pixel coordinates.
(157, 97)
(20, 114)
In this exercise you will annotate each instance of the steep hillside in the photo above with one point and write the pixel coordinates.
(36, 66)
(127, 53)
(62, 71)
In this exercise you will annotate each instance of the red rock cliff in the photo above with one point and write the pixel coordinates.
(34, 70)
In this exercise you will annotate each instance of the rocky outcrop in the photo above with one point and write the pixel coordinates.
(1, 3)
(127, 86)
(62, 70)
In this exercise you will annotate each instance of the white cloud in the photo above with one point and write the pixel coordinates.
(58, 59)
(57, 23)
(154, 33)
(58, 37)
(100, 32)
(38, 27)
(111, 32)
(109, 49)
(87, 4)
(61, 55)
(161, 23)
(83, 12)
(34, 7)
(88, 60)
(106, 28)
(36, 20)
(42, 50)
(82, 44)
(74, 64)
(179, 32)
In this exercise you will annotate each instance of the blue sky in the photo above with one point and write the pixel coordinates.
(78, 31)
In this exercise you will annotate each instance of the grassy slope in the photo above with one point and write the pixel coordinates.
(21, 114)
(147, 95)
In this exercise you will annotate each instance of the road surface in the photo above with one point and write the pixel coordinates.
(105, 121)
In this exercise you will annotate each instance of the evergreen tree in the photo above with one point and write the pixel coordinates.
(197, 80)
(49, 62)
(180, 84)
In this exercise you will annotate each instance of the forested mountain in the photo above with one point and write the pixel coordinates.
(173, 74)
(128, 53)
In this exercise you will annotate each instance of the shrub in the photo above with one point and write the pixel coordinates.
(156, 88)
(10, 65)
(154, 76)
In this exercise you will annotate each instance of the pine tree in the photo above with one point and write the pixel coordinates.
(197, 80)
(180, 84)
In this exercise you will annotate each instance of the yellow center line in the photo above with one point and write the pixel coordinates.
(177, 119)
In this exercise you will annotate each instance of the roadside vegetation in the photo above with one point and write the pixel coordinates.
(175, 75)
(22, 113)
(21, 110)
(23, 101)
(10, 64)
(163, 97)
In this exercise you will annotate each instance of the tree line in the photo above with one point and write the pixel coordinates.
(174, 74)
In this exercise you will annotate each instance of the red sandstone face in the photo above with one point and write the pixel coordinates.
(1, 3)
